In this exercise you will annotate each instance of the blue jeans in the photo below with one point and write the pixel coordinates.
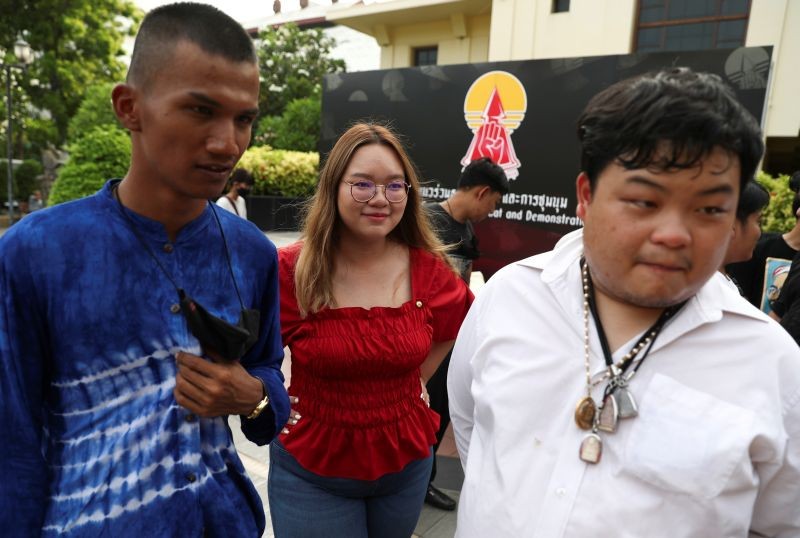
(306, 505)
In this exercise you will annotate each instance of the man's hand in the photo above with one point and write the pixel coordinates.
(212, 389)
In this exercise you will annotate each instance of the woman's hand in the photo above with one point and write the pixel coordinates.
(294, 416)
(424, 394)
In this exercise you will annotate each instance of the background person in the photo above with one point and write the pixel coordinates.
(369, 307)
(113, 418)
(786, 308)
(35, 201)
(480, 188)
(240, 186)
(746, 228)
(611, 386)
(772, 256)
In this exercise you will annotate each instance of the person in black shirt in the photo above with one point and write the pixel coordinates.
(480, 187)
(786, 308)
(746, 227)
(772, 245)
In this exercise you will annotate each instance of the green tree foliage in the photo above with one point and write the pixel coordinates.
(292, 62)
(102, 153)
(778, 216)
(95, 110)
(76, 43)
(280, 172)
(20, 111)
(297, 128)
(25, 180)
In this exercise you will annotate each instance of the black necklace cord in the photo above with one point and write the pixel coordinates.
(135, 230)
(654, 330)
(227, 253)
(666, 315)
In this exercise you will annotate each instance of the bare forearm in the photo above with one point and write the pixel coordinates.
(437, 354)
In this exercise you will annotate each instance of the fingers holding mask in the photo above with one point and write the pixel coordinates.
(214, 389)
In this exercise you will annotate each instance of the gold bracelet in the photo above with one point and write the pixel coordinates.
(259, 408)
(262, 404)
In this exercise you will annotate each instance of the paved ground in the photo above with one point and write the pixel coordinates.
(432, 523)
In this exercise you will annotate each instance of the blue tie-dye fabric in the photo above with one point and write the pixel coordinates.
(92, 441)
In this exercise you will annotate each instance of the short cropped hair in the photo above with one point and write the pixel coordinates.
(482, 172)
(753, 198)
(241, 175)
(667, 120)
(203, 25)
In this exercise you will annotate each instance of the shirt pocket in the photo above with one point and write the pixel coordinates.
(686, 441)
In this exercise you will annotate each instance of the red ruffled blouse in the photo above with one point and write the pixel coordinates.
(356, 372)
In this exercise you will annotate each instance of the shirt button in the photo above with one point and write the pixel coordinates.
(175, 308)
(190, 417)
(167, 248)
(191, 477)
(561, 492)
(419, 304)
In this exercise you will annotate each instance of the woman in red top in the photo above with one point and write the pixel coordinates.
(369, 308)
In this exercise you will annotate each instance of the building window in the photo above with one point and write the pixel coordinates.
(425, 55)
(560, 6)
(691, 24)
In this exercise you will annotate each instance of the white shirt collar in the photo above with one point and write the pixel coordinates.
(714, 298)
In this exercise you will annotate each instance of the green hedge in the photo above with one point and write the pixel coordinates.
(280, 172)
(96, 110)
(100, 154)
(296, 129)
(778, 216)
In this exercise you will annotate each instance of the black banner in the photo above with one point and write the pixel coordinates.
(520, 113)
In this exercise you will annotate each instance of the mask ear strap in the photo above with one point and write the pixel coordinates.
(227, 254)
(141, 240)
(135, 231)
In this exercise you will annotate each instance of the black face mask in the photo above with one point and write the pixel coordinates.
(243, 191)
(228, 341)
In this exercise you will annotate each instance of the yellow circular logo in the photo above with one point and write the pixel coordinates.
(494, 107)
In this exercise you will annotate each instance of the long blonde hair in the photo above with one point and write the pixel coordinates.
(313, 276)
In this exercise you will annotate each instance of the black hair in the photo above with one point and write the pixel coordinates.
(203, 25)
(795, 203)
(753, 198)
(240, 175)
(670, 119)
(484, 171)
(794, 181)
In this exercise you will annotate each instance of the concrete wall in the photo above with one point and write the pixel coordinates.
(526, 29)
(777, 23)
(460, 39)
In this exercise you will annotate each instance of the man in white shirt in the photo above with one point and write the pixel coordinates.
(611, 387)
(241, 183)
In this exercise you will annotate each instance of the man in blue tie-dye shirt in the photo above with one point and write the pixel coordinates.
(112, 414)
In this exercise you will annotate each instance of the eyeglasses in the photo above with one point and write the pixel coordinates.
(365, 190)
